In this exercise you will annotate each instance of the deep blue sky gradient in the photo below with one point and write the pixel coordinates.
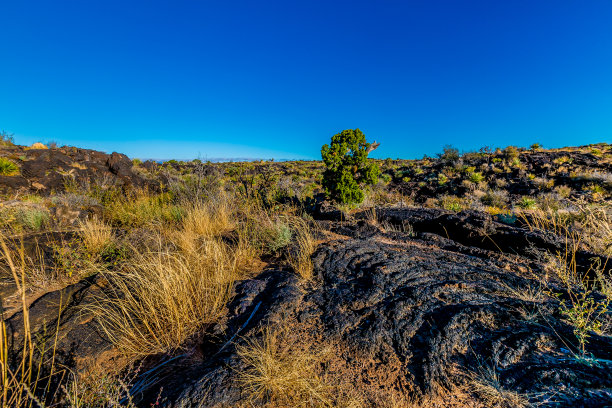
(181, 79)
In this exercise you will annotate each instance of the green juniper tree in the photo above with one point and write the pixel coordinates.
(347, 166)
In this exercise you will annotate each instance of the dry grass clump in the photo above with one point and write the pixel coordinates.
(300, 258)
(163, 297)
(288, 368)
(282, 371)
(486, 384)
(587, 224)
(100, 387)
(581, 303)
(37, 145)
(210, 218)
(96, 235)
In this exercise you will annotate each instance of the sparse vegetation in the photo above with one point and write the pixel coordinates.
(174, 262)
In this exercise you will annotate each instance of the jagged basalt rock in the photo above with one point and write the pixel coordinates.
(49, 170)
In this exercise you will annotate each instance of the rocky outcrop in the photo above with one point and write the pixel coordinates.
(50, 170)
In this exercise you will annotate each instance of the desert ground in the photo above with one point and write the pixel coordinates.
(476, 279)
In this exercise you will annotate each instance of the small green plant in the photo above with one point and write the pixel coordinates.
(476, 177)
(535, 147)
(511, 153)
(442, 179)
(8, 168)
(451, 203)
(527, 203)
(347, 166)
(584, 313)
(280, 237)
(32, 218)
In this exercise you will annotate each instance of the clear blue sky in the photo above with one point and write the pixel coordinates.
(178, 79)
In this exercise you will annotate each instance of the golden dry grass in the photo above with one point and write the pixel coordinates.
(300, 259)
(164, 295)
(486, 384)
(37, 145)
(96, 235)
(283, 371)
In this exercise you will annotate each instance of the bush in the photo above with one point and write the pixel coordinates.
(6, 139)
(451, 203)
(8, 168)
(527, 203)
(476, 177)
(33, 218)
(347, 167)
(450, 155)
(495, 198)
(442, 179)
(535, 147)
(511, 153)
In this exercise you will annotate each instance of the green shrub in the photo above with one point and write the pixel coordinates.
(527, 202)
(442, 179)
(386, 178)
(33, 218)
(451, 203)
(450, 155)
(143, 209)
(8, 168)
(347, 168)
(535, 147)
(511, 153)
(280, 237)
(476, 177)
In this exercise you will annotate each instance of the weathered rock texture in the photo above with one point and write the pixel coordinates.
(49, 170)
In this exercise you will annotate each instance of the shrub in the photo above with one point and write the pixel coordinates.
(280, 236)
(527, 202)
(143, 209)
(495, 198)
(6, 139)
(450, 155)
(535, 147)
(347, 167)
(37, 145)
(442, 179)
(476, 177)
(563, 191)
(33, 218)
(511, 153)
(451, 203)
(8, 168)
